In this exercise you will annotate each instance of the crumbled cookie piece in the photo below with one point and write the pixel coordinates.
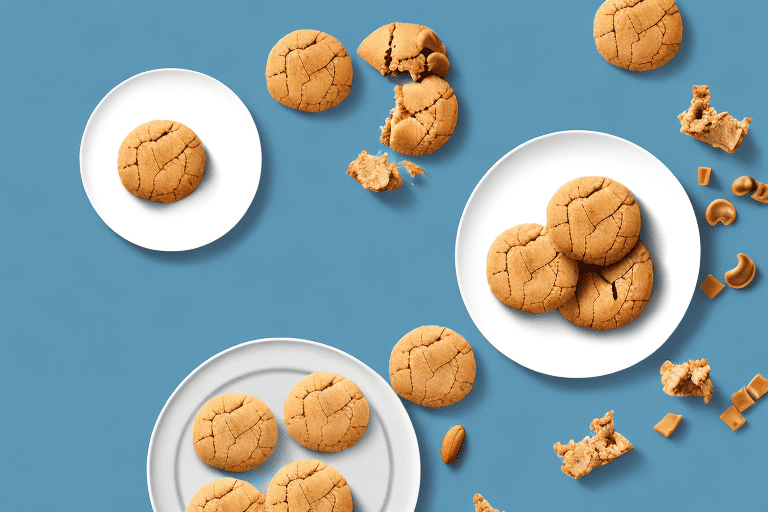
(704, 175)
(733, 418)
(227, 495)
(711, 286)
(687, 379)
(482, 505)
(758, 386)
(668, 424)
(581, 458)
(375, 173)
(703, 123)
(741, 400)
(412, 168)
(405, 48)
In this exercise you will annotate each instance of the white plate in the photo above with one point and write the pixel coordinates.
(517, 190)
(231, 144)
(382, 469)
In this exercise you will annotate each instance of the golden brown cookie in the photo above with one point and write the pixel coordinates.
(593, 219)
(432, 366)
(326, 412)
(309, 70)
(163, 161)
(611, 297)
(525, 270)
(308, 485)
(423, 119)
(227, 495)
(375, 173)
(638, 34)
(234, 432)
(405, 48)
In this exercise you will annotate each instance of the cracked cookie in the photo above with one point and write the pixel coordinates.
(702, 122)
(593, 219)
(611, 297)
(423, 119)
(525, 270)
(482, 505)
(638, 34)
(227, 495)
(687, 379)
(581, 458)
(308, 485)
(162, 161)
(405, 48)
(326, 412)
(234, 432)
(309, 70)
(432, 366)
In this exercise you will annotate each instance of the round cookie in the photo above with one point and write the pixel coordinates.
(432, 366)
(308, 485)
(638, 34)
(227, 495)
(326, 412)
(234, 432)
(423, 119)
(309, 70)
(611, 297)
(527, 272)
(162, 161)
(593, 219)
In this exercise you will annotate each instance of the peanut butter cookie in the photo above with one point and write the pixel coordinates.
(423, 119)
(234, 432)
(162, 161)
(326, 412)
(702, 122)
(309, 70)
(375, 173)
(526, 271)
(227, 495)
(593, 219)
(638, 34)
(432, 366)
(405, 48)
(611, 297)
(308, 485)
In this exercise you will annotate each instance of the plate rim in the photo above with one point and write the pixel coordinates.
(463, 293)
(138, 76)
(401, 408)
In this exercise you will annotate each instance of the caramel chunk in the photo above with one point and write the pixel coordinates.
(668, 424)
(741, 400)
(733, 418)
(704, 174)
(720, 210)
(703, 123)
(711, 286)
(411, 167)
(581, 458)
(741, 275)
(687, 379)
(758, 386)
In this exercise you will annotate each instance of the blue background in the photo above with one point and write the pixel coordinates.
(96, 333)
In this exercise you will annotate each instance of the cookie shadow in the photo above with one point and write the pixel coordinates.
(626, 466)
(402, 198)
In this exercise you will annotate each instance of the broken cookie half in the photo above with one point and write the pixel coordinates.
(376, 174)
(405, 48)
(702, 122)
(687, 379)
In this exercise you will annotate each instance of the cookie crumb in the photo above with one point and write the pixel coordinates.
(412, 168)
(711, 286)
(375, 173)
(482, 505)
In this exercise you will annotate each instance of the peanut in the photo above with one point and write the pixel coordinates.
(452, 443)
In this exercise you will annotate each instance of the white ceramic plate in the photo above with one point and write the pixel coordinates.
(231, 144)
(517, 190)
(382, 469)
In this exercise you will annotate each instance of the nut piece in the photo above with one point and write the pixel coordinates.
(761, 193)
(743, 185)
(668, 425)
(720, 210)
(711, 286)
(482, 505)
(687, 379)
(742, 400)
(733, 418)
(758, 386)
(742, 274)
(704, 174)
(703, 123)
(452, 443)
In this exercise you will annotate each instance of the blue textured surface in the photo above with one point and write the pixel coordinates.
(96, 333)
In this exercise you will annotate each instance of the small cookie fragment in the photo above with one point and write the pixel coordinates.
(687, 379)
(375, 173)
(668, 424)
(733, 418)
(742, 274)
(405, 48)
(309, 70)
(432, 366)
(452, 443)
(482, 505)
(703, 123)
(412, 168)
(308, 485)
(711, 286)
(741, 400)
(326, 412)
(227, 495)
(758, 386)
(704, 175)
(581, 458)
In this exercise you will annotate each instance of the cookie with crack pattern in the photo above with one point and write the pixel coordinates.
(227, 495)
(309, 70)
(308, 485)
(405, 48)
(526, 271)
(432, 366)
(326, 412)
(162, 161)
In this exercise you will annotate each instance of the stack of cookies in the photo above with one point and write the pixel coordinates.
(588, 261)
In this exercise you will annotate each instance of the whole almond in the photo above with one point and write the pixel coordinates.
(452, 443)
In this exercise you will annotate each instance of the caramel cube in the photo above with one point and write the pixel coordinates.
(711, 286)
(742, 400)
(704, 173)
(758, 386)
(668, 424)
(733, 418)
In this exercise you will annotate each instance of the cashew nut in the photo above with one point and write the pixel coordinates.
(742, 275)
(744, 185)
(720, 210)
